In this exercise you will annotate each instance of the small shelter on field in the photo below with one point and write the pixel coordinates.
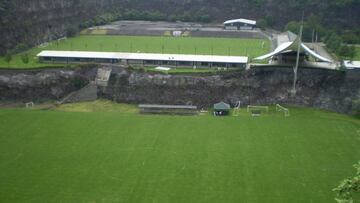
(239, 24)
(221, 109)
(168, 109)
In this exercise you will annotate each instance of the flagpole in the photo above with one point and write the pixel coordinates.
(298, 57)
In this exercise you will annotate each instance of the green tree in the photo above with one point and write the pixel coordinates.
(8, 58)
(262, 24)
(350, 37)
(347, 52)
(25, 58)
(294, 26)
(348, 187)
(333, 42)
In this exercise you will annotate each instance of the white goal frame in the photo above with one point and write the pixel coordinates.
(280, 108)
(29, 105)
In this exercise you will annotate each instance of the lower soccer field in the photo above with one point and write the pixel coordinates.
(146, 44)
(59, 156)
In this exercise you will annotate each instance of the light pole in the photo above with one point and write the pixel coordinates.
(293, 91)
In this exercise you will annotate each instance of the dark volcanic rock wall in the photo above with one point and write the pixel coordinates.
(37, 21)
(41, 85)
(316, 88)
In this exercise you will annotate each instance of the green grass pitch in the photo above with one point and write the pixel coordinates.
(58, 156)
(185, 45)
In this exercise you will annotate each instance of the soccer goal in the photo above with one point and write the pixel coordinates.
(29, 105)
(280, 108)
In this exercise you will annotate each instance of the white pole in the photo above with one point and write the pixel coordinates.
(298, 58)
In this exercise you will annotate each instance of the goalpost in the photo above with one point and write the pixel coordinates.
(257, 110)
(237, 108)
(280, 108)
(29, 105)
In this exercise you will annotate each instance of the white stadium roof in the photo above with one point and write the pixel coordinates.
(352, 64)
(241, 20)
(144, 56)
(292, 46)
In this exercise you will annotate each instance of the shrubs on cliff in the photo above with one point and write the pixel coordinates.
(8, 58)
(120, 14)
(25, 58)
(356, 108)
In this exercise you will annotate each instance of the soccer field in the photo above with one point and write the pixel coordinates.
(57, 156)
(172, 45)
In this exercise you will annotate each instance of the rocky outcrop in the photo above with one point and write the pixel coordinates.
(323, 89)
(37, 21)
(42, 85)
(87, 93)
(316, 88)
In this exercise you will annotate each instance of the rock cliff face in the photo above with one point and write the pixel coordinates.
(316, 88)
(41, 85)
(37, 21)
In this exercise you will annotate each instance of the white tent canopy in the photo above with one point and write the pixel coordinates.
(292, 46)
(241, 20)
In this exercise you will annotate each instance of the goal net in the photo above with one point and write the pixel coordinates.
(280, 108)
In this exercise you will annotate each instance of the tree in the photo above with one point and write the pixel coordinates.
(333, 42)
(356, 108)
(294, 26)
(350, 37)
(71, 32)
(262, 24)
(349, 186)
(25, 58)
(8, 58)
(347, 52)
(352, 52)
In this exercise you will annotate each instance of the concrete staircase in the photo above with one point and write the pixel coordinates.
(103, 76)
(90, 91)
(87, 93)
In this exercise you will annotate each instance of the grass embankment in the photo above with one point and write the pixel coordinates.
(57, 156)
(357, 56)
(172, 45)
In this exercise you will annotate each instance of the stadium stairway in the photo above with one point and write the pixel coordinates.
(90, 91)
(87, 93)
(103, 76)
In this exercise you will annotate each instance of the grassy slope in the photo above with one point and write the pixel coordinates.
(49, 156)
(240, 47)
(357, 56)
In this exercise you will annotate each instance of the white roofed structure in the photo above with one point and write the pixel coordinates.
(352, 64)
(240, 20)
(145, 56)
(286, 54)
(290, 47)
(154, 58)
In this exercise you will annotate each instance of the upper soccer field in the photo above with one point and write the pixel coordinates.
(146, 44)
(57, 156)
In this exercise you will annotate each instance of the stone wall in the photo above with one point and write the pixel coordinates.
(41, 85)
(37, 21)
(323, 89)
(316, 88)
